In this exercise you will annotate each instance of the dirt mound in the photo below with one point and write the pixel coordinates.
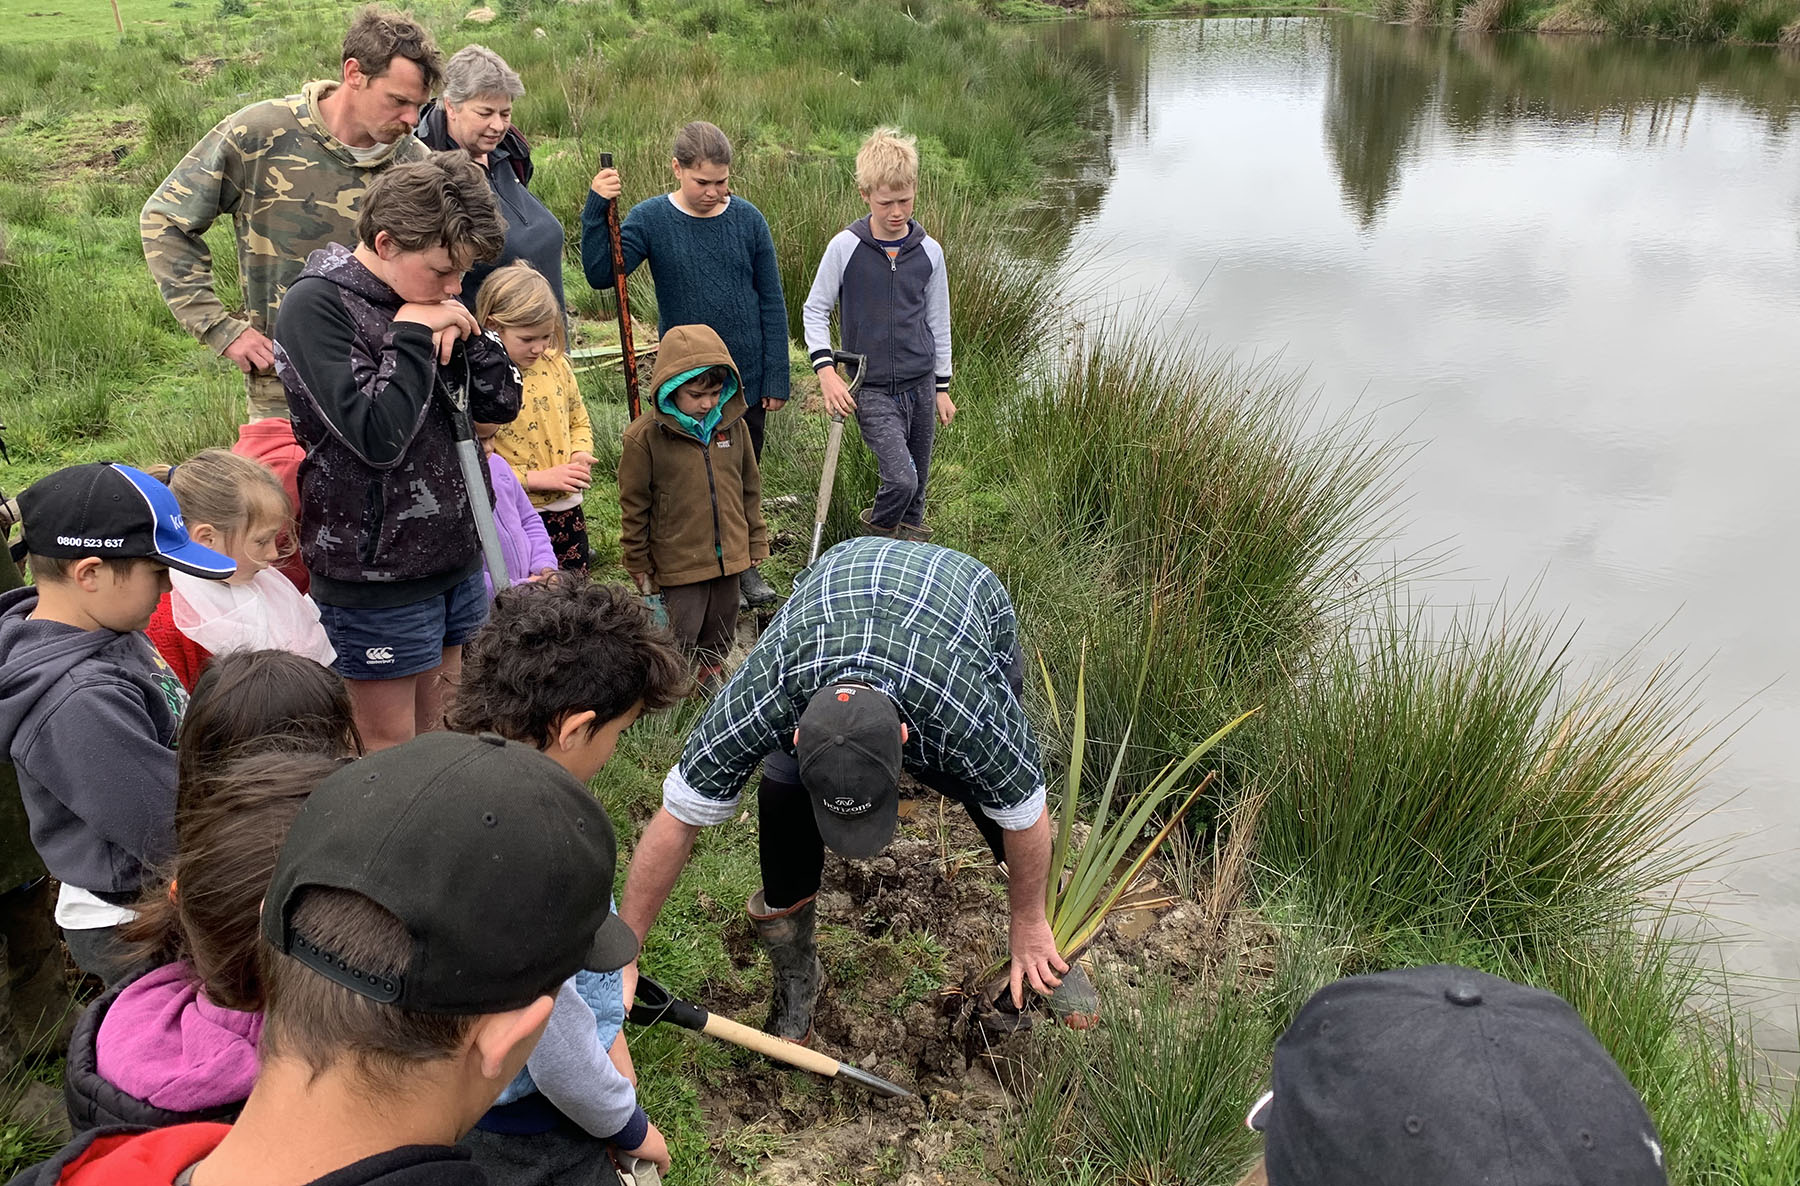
(906, 940)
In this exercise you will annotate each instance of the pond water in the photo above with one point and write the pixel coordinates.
(1570, 270)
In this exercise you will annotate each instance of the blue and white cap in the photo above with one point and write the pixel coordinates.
(113, 511)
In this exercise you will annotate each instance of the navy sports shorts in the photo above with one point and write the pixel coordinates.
(405, 639)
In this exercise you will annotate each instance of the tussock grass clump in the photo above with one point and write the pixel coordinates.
(1156, 1093)
(1454, 780)
(1493, 16)
(1182, 506)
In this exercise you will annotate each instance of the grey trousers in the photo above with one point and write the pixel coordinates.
(564, 1156)
(899, 426)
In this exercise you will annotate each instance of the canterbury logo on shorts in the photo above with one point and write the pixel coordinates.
(379, 655)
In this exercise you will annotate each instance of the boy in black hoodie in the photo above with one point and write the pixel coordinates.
(87, 708)
(427, 903)
(375, 351)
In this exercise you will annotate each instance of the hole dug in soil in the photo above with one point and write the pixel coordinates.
(904, 938)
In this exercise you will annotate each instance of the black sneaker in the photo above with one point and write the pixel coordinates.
(753, 591)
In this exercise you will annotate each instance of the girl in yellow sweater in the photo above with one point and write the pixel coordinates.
(550, 446)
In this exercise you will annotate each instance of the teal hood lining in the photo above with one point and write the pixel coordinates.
(700, 430)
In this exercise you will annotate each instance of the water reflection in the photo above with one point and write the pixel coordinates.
(1389, 83)
(1566, 267)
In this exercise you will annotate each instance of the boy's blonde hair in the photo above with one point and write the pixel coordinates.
(887, 158)
(518, 297)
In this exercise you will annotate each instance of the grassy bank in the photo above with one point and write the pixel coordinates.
(1415, 790)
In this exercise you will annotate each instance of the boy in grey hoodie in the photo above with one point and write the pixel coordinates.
(88, 711)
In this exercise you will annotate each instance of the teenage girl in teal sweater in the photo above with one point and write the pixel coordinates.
(713, 261)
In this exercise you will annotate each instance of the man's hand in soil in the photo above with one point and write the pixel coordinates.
(251, 351)
(654, 1150)
(1035, 960)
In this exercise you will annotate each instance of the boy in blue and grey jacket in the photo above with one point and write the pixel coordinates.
(886, 278)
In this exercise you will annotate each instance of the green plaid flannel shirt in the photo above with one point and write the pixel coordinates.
(930, 628)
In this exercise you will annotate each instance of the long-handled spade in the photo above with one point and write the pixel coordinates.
(655, 1003)
(834, 441)
(622, 296)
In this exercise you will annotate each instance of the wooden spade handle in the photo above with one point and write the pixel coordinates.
(769, 1045)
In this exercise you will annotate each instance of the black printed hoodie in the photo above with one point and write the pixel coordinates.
(88, 718)
(384, 515)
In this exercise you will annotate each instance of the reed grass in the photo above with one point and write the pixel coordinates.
(1462, 776)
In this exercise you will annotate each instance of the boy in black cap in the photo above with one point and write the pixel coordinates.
(1444, 1076)
(428, 901)
(88, 710)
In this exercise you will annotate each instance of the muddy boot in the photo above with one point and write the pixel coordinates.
(753, 591)
(918, 533)
(794, 955)
(869, 527)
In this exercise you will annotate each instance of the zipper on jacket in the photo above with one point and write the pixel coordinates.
(893, 297)
(713, 493)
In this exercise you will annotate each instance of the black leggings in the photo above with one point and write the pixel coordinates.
(793, 855)
(753, 418)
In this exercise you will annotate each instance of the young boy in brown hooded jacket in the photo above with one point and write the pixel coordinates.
(690, 495)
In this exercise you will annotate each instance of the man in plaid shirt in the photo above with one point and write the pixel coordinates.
(890, 654)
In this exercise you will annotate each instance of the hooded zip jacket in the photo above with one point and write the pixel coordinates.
(690, 510)
(88, 719)
(894, 309)
(131, 1156)
(290, 187)
(385, 517)
(533, 234)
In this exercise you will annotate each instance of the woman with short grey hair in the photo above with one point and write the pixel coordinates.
(475, 114)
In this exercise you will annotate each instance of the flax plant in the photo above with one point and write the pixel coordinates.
(1100, 875)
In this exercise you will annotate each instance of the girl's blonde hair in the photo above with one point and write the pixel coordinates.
(232, 493)
(888, 157)
(518, 297)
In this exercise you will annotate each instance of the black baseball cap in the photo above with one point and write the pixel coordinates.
(849, 758)
(499, 863)
(1443, 1076)
(113, 511)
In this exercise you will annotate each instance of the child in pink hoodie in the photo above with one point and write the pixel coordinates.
(178, 1043)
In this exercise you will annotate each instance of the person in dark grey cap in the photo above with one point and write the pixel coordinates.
(1445, 1076)
(890, 655)
(427, 902)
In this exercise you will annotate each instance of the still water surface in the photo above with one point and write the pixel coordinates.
(1570, 270)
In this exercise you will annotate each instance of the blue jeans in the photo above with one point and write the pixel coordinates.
(899, 425)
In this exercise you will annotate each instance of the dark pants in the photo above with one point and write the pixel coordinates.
(99, 951)
(787, 836)
(704, 617)
(569, 539)
(899, 426)
(35, 1001)
(753, 419)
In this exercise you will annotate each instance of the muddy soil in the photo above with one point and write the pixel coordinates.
(906, 939)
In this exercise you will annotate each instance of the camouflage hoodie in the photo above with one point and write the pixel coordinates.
(384, 514)
(290, 187)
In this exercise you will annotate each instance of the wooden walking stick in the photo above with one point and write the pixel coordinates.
(624, 299)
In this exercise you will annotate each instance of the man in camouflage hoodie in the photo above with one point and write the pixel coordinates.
(291, 173)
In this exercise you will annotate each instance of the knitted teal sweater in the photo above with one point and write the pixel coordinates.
(718, 272)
